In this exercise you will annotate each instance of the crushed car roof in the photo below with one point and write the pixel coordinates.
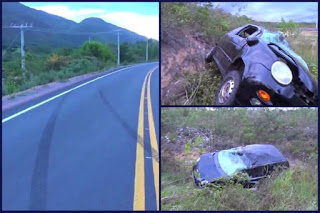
(262, 154)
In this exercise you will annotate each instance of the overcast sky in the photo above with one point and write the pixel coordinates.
(142, 18)
(273, 11)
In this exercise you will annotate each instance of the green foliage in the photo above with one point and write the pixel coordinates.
(131, 53)
(98, 50)
(196, 174)
(201, 17)
(80, 66)
(293, 189)
(307, 48)
(198, 140)
(66, 51)
(314, 70)
(173, 136)
(202, 150)
(288, 130)
(201, 87)
(59, 65)
(240, 177)
(55, 62)
(48, 77)
(188, 147)
(289, 27)
(247, 133)
(11, 87)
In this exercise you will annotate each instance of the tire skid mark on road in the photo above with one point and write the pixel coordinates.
(122, 121)
(139, 190)
(38, 193)
(133, 133)
(61, 94)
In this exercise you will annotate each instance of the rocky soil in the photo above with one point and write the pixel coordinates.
(182, 51)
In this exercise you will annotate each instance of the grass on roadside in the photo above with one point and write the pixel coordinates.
(21, 80)
(200, 87)
(293, 189)
(307, 48)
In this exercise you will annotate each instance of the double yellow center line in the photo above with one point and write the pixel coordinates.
(139, 188)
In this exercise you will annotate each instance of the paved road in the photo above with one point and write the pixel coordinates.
(94, 147)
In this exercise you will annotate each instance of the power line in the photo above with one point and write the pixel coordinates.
(5, 51)
(118, 49)
(50, 30)
(22, 29)
(147, 50)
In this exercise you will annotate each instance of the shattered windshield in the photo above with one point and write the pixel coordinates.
(233, 161)
(278, 39)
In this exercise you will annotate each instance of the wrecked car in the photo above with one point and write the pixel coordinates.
(257, 161)
(260, 68)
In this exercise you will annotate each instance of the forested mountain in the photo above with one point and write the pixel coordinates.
(54, 31)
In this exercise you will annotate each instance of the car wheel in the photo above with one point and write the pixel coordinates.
(209, 56)
(198, 184)
(226, 94)
(195, 181)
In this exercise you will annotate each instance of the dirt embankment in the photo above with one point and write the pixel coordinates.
(182, 51)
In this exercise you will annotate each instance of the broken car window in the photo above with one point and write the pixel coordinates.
(278, 39)
(247, 32)
(233, 161)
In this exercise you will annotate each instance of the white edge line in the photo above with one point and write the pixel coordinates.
(63, 93)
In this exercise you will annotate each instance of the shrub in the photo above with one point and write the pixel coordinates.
(289, 27)
(56, 62)
(47, 77)
(98, 50)
(11, 86)
(293, 189)
(80, 66)
(188, 147)
(198, 140)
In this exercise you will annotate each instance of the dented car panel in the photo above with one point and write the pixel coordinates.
(258, 161)
(254, 63)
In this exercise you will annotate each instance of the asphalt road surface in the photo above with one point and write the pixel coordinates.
(91, 147)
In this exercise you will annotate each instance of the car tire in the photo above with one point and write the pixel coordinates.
(196, 183)
(209, 56)
(227, 91)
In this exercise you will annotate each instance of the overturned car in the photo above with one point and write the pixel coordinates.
(260, 68)
(257, 161)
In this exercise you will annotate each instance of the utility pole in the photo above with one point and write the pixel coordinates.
(22, 28)
(118, 49)
(147, 50)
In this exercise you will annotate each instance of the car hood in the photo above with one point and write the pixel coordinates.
(209, 168)
(278, 39)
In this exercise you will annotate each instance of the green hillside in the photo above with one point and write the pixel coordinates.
(54, 31)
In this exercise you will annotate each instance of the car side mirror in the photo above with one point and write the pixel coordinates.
(252, 41)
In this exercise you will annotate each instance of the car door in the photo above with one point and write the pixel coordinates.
(258, 171)
(239, 39)
(222, 53)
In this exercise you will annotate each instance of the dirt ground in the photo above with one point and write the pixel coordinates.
(181, 52)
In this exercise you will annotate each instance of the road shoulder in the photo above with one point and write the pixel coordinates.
(13, 100)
